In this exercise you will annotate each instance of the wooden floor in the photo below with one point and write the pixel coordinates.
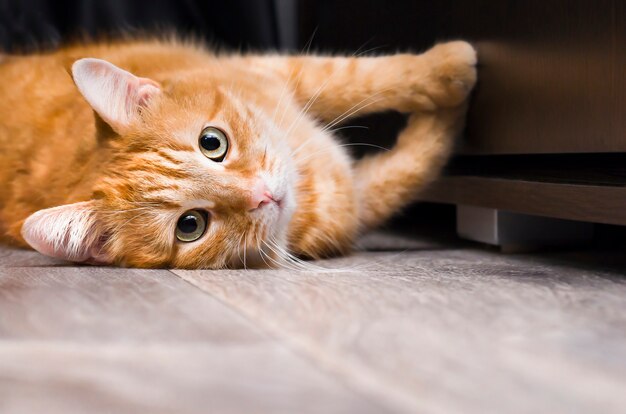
(406, 326)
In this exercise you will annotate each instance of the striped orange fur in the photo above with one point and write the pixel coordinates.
(100, 169)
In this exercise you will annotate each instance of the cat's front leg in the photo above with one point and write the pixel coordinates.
(338, 88)
(386, 182)
(442, 77)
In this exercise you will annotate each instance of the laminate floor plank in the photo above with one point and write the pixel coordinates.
(92, 304)
(458, 330)
(14, 257)
(52, 377)
(101, 340)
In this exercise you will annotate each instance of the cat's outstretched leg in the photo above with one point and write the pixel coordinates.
(337, 88)
(387, 181)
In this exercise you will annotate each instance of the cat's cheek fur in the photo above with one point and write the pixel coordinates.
(69, 232)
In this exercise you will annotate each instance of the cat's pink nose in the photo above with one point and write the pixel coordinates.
(260, 195)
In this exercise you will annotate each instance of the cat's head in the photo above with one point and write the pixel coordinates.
(194, 177)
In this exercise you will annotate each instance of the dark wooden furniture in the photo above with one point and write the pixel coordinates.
(546, 132)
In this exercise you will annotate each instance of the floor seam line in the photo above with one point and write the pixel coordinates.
(347, 376)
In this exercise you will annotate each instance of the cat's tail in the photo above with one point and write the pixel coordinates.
(388, 181)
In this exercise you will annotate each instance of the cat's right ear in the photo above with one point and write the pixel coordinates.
(115, 94)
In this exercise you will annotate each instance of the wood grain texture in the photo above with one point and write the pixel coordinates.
(93, 304)
(599, 204)
(100, 340)
(53, 377)
(410, 326)
(14, 257)
(453, 330)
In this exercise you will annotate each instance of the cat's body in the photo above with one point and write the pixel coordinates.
(125, 177)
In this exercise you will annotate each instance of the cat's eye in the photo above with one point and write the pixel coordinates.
(191, 225)
(213, 144)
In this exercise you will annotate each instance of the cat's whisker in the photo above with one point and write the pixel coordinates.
(277, 262)
(296, 264)
(282, 95)
(348, 127)
(352, 144)
(307, 46)
(283, 262)
(264, 255)
(356, 52)
(313, 99)
(355, 109)
(302, 265)
(301, 146)
(295, 87)
(371, 49)
(274, 262)
(305, 50)
(239, 246)
(351, 111)
(308, 106)
(245, 251)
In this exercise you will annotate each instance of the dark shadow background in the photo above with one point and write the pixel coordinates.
(26, 25)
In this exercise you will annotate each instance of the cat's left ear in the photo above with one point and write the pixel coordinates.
(69, 232)
(115, 94)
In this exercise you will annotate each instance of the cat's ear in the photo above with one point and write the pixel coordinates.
(69, 232)
(115, 94)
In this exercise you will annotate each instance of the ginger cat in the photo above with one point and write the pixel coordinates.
(163, 154)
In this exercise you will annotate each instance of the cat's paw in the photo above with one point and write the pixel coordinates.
(452, 74)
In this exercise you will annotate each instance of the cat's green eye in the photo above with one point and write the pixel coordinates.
(191, 225)
(213, 144)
